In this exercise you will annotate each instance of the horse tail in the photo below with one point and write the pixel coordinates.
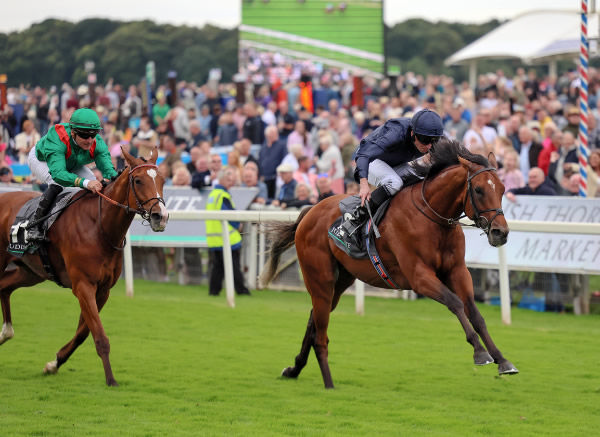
(283, 236)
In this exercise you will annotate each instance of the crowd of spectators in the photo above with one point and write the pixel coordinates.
(297, 152)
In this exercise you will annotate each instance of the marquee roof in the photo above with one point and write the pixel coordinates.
(535, 36)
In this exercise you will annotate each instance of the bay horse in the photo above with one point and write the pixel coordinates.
(85, 249)
(421, 246)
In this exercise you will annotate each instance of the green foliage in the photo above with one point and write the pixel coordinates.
(55, 51)
(188, 364)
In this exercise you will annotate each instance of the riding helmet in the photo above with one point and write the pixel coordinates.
(428, 123)
(85, 118)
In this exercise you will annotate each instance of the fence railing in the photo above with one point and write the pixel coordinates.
(257, 243)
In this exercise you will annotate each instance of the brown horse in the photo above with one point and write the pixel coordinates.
(85, 249)
(421, 246)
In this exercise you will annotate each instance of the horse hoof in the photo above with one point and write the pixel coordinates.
(7, 333)
(287, 372)
(507, 368)
(482, 359)
(51, 368)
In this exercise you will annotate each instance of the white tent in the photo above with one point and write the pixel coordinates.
(532, 37)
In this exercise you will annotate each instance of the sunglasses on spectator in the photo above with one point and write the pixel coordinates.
(85, 134)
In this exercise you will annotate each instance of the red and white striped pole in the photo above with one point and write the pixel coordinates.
(584, 151)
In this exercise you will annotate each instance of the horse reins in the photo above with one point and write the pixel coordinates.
(479, 220)
(143, 212)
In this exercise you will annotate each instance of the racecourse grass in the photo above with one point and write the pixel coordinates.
(188, 364)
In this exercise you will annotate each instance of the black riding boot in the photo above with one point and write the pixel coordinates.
(352, 221)
(36, 232)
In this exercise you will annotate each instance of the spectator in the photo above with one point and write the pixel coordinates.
(205, 119)
(196, 133)
(456, 127)
(6, 176)
(552, 146)
(352, 188)
(271, 154)
(593, 170)
(25, 140)
(233, 161)
(535, 186)
(332, 164)
(510, 174)
(529, 151)
(324, 187)
(567, 153)
(304, 175)
(300, 136)
(287, 192)
(572, 121)
(215, 165)
(302, 197)
(213, 125)
(195, 153)
(243, 147)
(220, 200)
(479, 138)
(146, 139)
(202, 176)
(567, 185)
(253, 126)
(182, 176)
(250, 179)
(227, 132)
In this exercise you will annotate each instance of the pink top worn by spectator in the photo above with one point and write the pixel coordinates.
(511, 179)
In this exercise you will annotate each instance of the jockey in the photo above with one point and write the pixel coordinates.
(60, 157)
(382, 157)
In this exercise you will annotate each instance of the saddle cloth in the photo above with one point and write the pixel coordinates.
(19, 245)
(354, 245)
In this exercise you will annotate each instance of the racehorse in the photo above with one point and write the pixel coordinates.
(85, 249)
(421, 246)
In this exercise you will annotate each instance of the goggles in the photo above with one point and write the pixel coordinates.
(85, 134)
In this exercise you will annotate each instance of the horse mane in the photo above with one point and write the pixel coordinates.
(444, 154)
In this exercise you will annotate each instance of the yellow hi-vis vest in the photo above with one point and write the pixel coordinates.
(214, 235)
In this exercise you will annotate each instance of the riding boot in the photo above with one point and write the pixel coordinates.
(355, 219)
(36, 232)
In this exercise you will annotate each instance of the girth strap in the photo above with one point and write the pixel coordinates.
(376, 260)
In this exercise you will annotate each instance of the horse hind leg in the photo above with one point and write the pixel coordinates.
(10, 280)
(302, 357)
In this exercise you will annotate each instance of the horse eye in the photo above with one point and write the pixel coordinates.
(138, 181)
(479, 190)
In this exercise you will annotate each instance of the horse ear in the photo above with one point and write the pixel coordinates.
(492, 160)
(153, 155)
(129, 158)
(465, 162)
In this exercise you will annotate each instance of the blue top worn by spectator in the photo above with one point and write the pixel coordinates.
(270, 157)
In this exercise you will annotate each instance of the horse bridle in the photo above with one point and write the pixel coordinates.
(479, 220)
(141, 210)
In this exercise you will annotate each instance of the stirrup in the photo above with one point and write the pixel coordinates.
(35, 235)
(351, 223)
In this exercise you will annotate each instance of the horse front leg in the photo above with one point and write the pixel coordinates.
(462, 284)
(90, 305)
(428, 284)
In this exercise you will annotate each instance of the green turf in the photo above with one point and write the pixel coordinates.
(189, 365)
(360, 26)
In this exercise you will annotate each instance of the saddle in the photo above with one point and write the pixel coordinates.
(18, 244)
(355, 245)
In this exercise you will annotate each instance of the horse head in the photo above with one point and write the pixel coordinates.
(483, 203)
(146, 190)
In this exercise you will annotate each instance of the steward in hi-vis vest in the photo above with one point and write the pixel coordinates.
(214, 230)
(59, 159)
(219, 199)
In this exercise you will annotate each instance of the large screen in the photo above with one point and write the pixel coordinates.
(344, 34)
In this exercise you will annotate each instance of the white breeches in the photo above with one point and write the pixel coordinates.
(40, 170)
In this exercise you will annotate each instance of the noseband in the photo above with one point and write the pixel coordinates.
(479, 220)
(141, 210)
